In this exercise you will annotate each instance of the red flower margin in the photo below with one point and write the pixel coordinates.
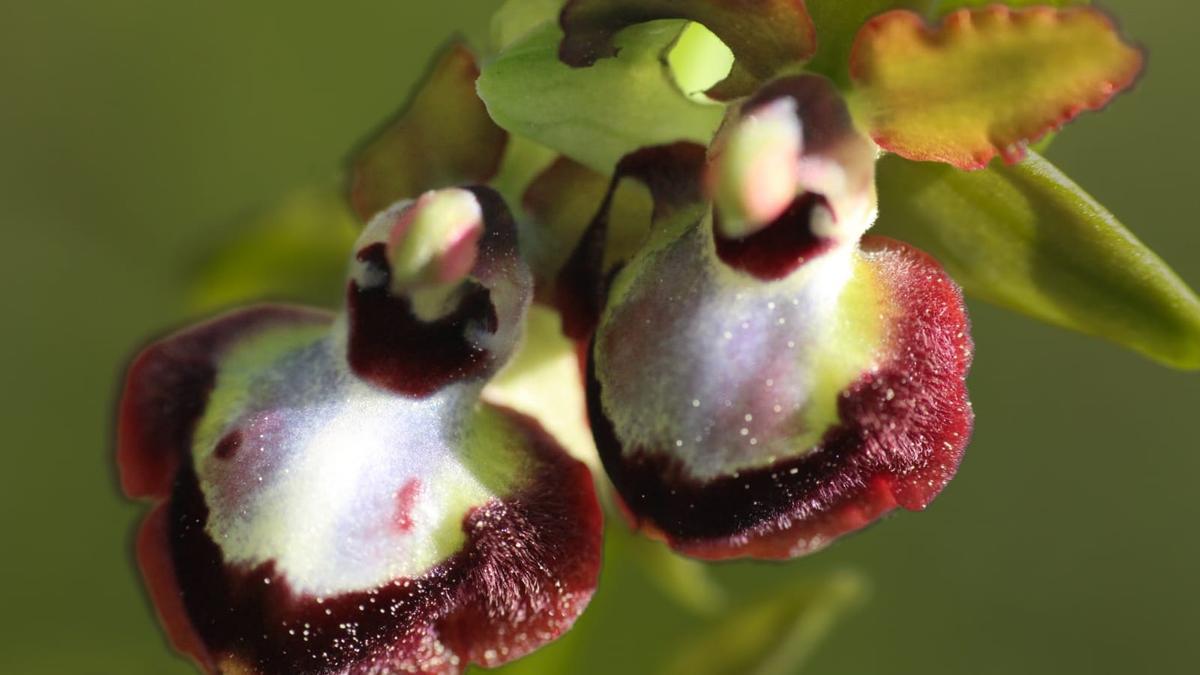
(330, 493)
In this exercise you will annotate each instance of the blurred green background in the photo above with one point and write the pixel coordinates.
(134, 133)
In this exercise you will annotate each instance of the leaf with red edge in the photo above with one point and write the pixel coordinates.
(442, 137)
(984, 81)
(766, 36)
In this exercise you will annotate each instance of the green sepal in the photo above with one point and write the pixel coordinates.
(775, 635)
(1027, 238)
(296, 250)
(596, 115)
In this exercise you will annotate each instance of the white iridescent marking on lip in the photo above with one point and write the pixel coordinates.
(751, 368)
(344, 486)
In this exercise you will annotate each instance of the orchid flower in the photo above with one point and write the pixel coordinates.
(747, 226)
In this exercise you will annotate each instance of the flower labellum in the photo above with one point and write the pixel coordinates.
(332, 494)
(762, 388)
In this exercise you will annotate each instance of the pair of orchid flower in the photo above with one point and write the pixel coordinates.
(688, 184)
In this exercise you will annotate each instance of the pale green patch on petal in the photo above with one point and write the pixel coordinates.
(1025, 237)
(543, 380)
(596, 115)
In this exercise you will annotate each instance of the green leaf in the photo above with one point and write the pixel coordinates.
(296, 251)
(774, 636)
(596, 115)
(1025, 237)
(986, 81)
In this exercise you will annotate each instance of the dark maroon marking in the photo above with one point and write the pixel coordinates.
(228, 446)
(391, 347)
(470, 602)
(167, 387)
(672, 173)
(778, 249)
(898, 449)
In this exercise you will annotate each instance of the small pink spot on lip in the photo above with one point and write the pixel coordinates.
(406, 499)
